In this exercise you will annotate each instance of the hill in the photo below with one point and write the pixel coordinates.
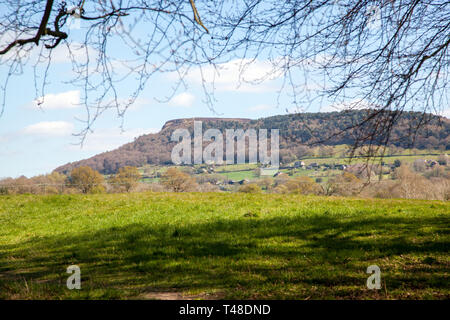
(295, 130)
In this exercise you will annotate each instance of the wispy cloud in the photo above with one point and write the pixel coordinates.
(243, 75)
(73, 51)
(49, 129)
(184, 99)
(63, 100)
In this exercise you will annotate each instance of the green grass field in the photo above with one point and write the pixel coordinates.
(217, 245)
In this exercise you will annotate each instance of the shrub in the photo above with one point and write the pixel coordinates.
(177, 181)
(43, 184)
(48, 184)
(443, 159)
(346, 184)
(127, 178)
(250, 188)
(437, 172)
(410, 185)
(281, 189)
(86, 180)
(265, 183)
(4, 190)
(303, 185)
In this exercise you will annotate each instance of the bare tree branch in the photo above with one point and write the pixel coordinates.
(388, 57)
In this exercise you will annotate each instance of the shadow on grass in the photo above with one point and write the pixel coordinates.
(290, 257)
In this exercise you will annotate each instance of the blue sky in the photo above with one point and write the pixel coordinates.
(35, 140)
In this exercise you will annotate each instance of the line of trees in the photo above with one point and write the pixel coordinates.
(403, 183)
(80, 180)
(407, 181)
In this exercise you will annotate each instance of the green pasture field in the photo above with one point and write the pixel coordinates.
(246, 170)
(239, 175)
(222, 245)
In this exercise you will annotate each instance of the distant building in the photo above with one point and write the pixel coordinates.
(243, 181)
(299, 164)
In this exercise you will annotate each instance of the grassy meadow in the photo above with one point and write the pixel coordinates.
(222, 245)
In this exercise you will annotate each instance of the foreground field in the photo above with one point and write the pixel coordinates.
(232, 246)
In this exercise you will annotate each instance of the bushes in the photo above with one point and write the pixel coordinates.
(4, 190)
(417, 188)
(86, 180)
(346, 184)
(43, 184)
(208, 187)
(443, 160)
(265, 183)
(177, 181)
(300, 185)
(282, 189)
(409, 185)
(250, 188)
(126, 179)
(437, 172)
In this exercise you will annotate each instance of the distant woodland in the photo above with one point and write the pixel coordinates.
(298, 133)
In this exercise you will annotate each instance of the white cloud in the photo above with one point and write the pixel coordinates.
(244, 75)
(110, 138)
(49, 128)
(64, 100)
(73, 51)
(184, 99)
(260, 107)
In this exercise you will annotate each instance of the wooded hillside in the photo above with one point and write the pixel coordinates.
(295, 130)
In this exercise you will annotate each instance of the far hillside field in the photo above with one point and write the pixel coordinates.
(248, 171)
(222, 245)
